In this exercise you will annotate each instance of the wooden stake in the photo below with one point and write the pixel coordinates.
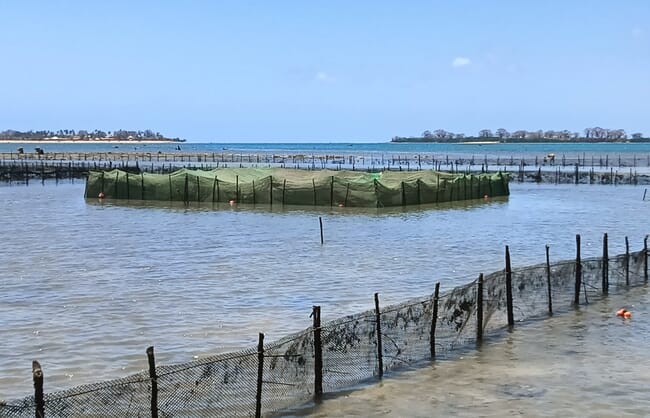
(37, 376)
(154, 382)
(605, 283)
(576, 298)
(479, 309)
(320, 220)
(548, 283)
(318, 356)
(627, 262)
(260, 373)
(645, 258)
(380, 359)
(511, 316)
(434, 321)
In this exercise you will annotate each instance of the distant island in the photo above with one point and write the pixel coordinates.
(84, 135)
(502, 135)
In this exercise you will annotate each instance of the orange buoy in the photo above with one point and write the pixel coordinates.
(627, 315)
(101, 195)
(620, 312)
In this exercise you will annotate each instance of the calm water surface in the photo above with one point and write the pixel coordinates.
(86, 286)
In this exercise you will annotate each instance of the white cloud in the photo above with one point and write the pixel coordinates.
(460, 62)
(323, 77)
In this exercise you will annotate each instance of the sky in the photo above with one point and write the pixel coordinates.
(324, 71)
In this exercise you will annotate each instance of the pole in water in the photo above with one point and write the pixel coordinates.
(548, 282)
(479, 309)
(509, 307)
(434, 320)
(576, 299)
(644, 193)
(37, 375)
(320, 220)
(380, 361)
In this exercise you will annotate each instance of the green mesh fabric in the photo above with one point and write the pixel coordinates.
(297, 187)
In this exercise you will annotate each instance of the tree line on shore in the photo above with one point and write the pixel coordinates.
(596, 134)
(84, 135)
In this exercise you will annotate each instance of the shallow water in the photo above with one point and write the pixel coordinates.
(87, 286)
(586, 363)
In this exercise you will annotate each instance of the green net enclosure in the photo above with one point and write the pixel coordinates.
(297, 187)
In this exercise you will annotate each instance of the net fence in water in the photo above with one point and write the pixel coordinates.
(341, 353)
(297, 187)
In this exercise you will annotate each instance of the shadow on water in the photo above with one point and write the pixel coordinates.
(302, 209)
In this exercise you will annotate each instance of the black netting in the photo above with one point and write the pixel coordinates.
(226, 384)
(349, 350)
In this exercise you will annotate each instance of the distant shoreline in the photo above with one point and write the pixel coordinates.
(81, 141)
(471, 141)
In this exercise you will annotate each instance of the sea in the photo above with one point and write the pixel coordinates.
(87, 285)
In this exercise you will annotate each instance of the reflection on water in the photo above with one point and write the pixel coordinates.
(86, 287)
(315, 210)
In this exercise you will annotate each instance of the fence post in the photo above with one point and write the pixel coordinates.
(434, 321)
(645, 258)
(576, 299)
(154, 382)
(605, 266)
(284, 187)
(37, 375)
(627, 262)
(318, 356)
(548, 282)
(511, 315)
(237, 188)
(320, 220)
(479, 309)
(379, 347)
(260, 372)
(186, 197)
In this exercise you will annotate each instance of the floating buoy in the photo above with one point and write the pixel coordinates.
(232, 202)
(341, 205)
(624, 313)
(101, 195)
(486, 197)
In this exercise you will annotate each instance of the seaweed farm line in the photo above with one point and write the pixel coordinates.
(335, 355)
(627, 169)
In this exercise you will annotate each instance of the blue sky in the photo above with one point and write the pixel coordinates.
(324, 71)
